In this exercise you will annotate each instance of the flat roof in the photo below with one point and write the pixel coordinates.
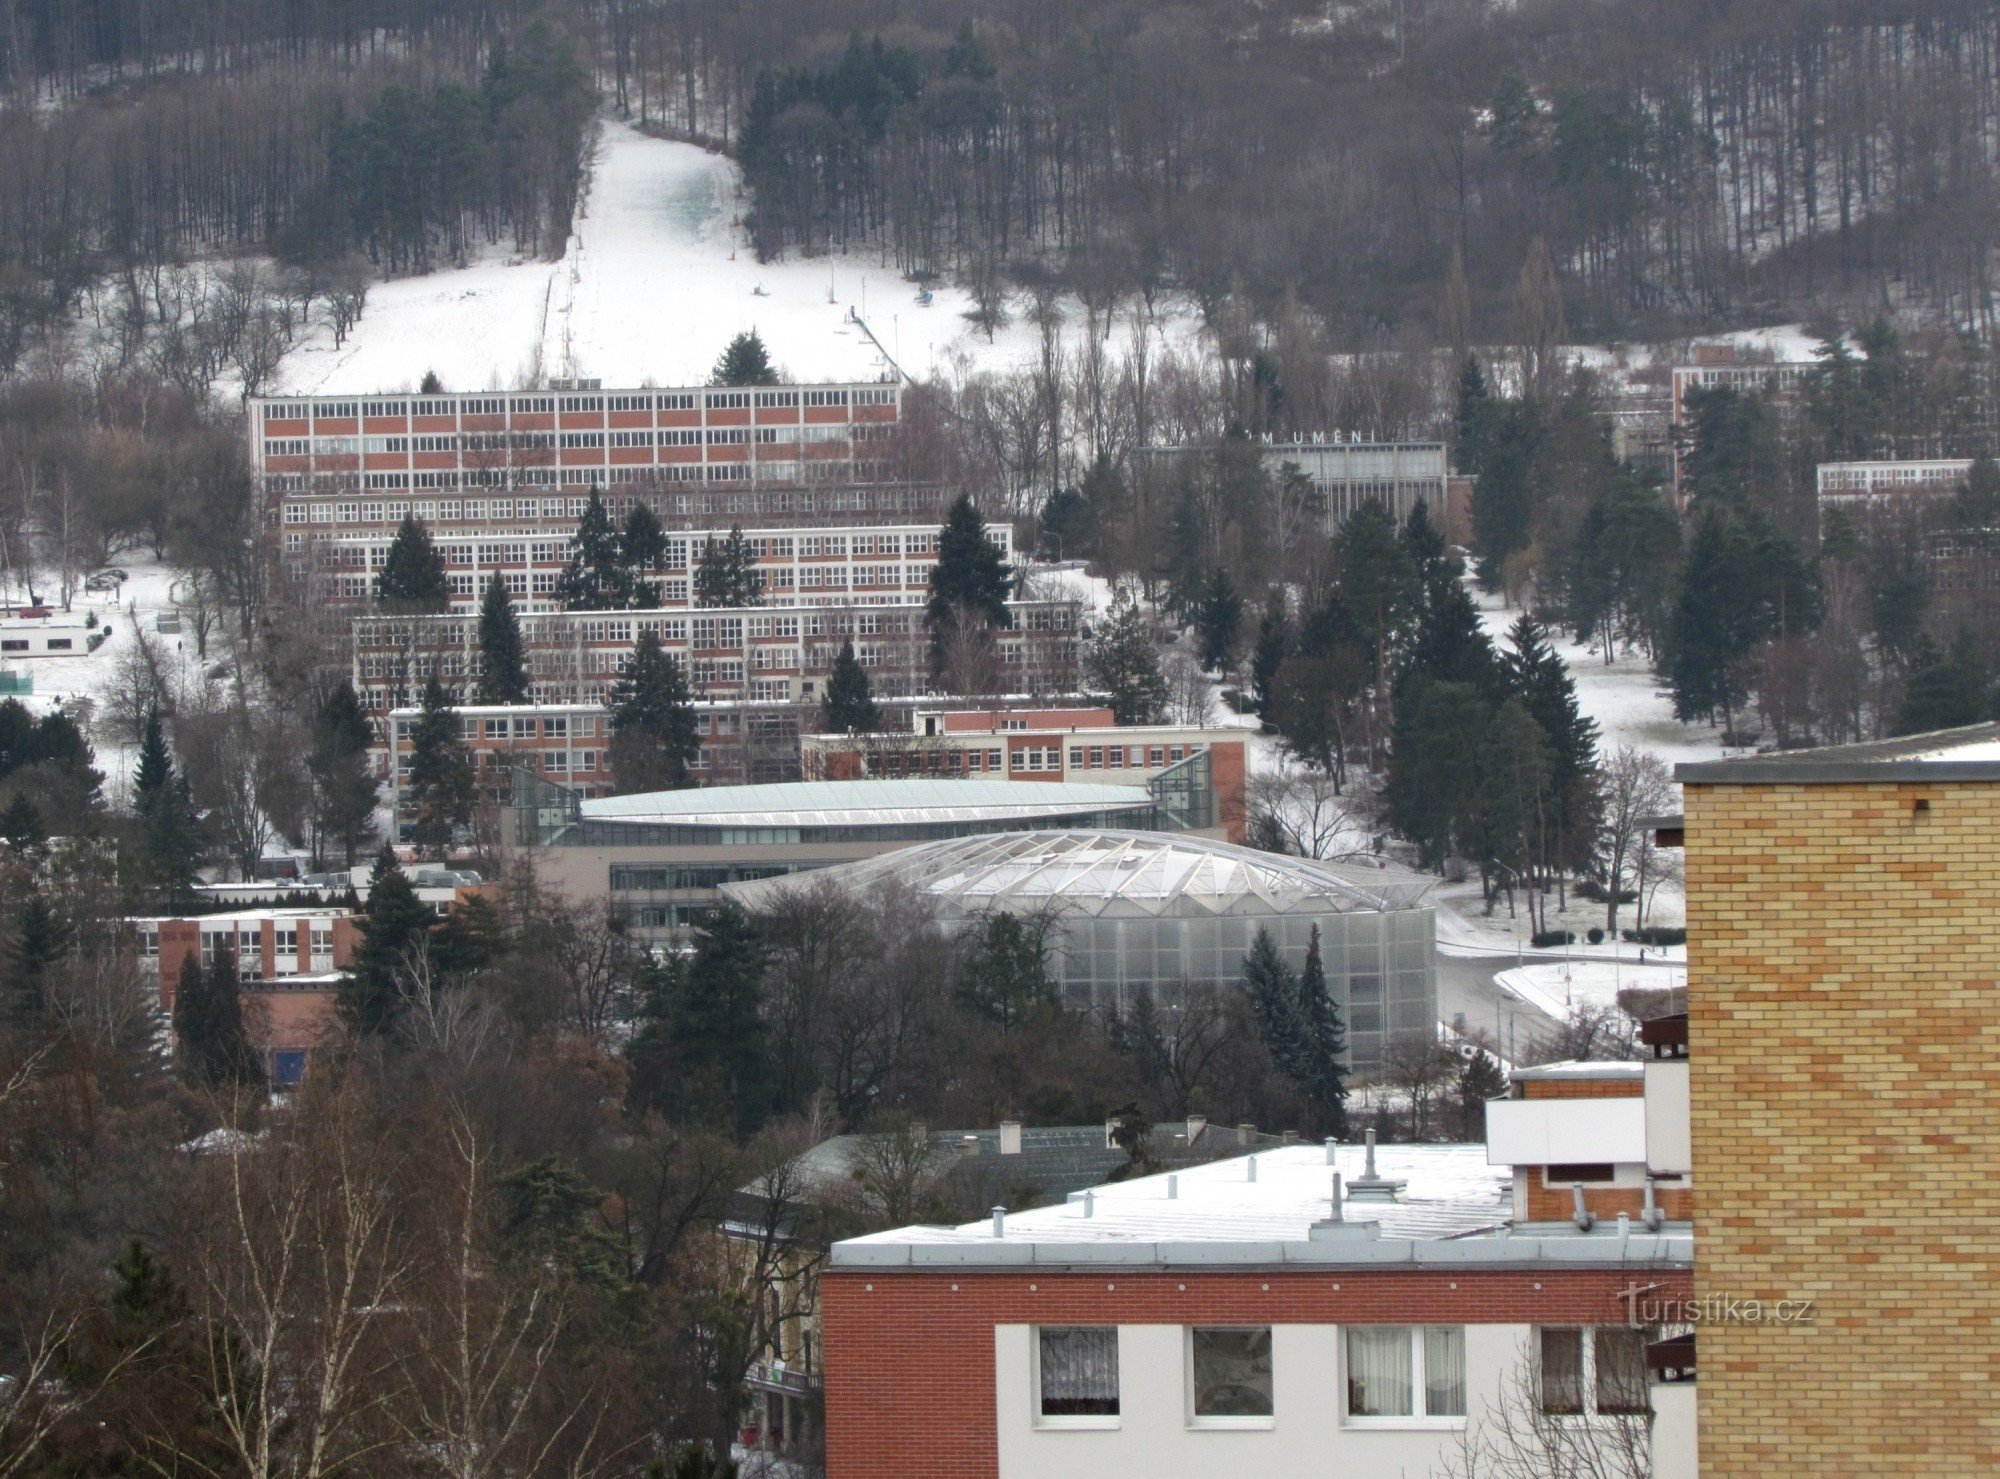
(868, 802)
(1453, 1209)
(1971, 753)
(1573, 1068)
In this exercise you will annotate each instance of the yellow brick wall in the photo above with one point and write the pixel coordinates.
(1844, 1037)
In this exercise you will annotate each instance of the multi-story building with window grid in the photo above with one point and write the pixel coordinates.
(806, 566)
(492, 442)
(761, 654)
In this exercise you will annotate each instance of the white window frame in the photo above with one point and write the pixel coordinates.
(1418, 1417)
(1072, 1422)
(1216, 1423)
(1587, 1376)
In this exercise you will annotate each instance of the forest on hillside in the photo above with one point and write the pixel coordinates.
(1393, 165)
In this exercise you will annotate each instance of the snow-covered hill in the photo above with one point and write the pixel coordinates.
(657, 277)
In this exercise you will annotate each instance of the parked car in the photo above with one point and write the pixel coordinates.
(104, 580)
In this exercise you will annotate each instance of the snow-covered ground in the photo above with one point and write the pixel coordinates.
(1627, 699)
(60, 681)
(1556, 987)
(657, 277)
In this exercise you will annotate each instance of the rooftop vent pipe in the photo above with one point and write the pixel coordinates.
(1338, 1211)
(1583, 1217)
(1653, 1217)
(1332, 1145)
(1173, 1188)
(999, 1222)
(1250, 1165)
(1090, 1202)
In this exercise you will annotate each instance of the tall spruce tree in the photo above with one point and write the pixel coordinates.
(413, 578)
(850, 707)
(42, 937)
(1122, 662)
(441, 789)
(211, 1043)
(169, 833)
(1218, 621)
(1321, 1072)
(969, 574)
(595, 579)
(716, 1032)
(745, 361)
(395, 931)
(654, 740)
(345, 790)
(1274, 643)
(1451, 645)
(1432, 792)
(21, 825)
(727, 573)
(503, 668)
(644, 545)
(1947, 688)
(1537, 675)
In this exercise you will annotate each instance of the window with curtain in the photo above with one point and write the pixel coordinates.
(1444, 1371)
(1079, 1370)
(1231, 1371)
(1620, 1377)
(1559, 1371)
(1398, 1371)
(1378, 1372)
(1593, 1372)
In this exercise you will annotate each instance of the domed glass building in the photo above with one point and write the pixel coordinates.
(1150, 912)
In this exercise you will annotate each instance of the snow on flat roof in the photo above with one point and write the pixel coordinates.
(866, 803)
(1451, 1191)
(1969, 753)
(1574, 1069)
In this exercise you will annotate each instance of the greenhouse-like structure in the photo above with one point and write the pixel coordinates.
(1152, 912)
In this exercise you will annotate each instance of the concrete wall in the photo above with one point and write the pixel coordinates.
(1844, 1049)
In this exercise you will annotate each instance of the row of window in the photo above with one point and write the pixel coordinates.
(543, 405)
(1391, 1373)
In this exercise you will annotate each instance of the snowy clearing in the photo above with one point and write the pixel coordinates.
(656, 278)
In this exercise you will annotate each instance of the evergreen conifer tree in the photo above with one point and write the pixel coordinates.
(21, 824)
(654, 741)
(1432, 792)
(1472, 406)
(1479, 1081)
(644, 545)
(211, 1043)
(1451, 646)
(1378, 581)
(1122, 662)
(395, 929)
(1003, 972)
(1514, 818)
(716, 1030)
(1218, 620)
(849, 707)
(169, 836)
(1538, 676)
(1274, 1001)
(1427, 551)
(42, 937)
(344, 786)
(1322, 1071)
(1946, 689)
(503, 669)
(156, 766)
(745, 361)
(969, 574)
(1712, 630)
(1274, 641)
(441, 789)
(727, 573)
(413, 578)
(595, 578)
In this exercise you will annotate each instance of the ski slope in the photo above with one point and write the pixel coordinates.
(657, 277)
